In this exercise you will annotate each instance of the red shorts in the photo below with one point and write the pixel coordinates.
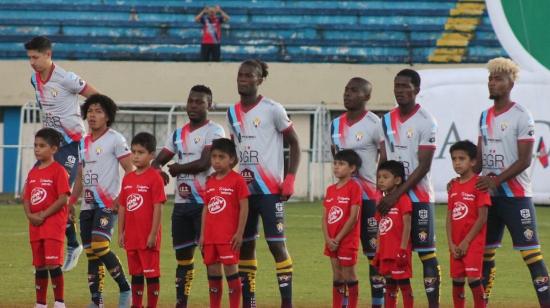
(47, 252)
(219, 253)
(388, 267)
(345, 256)
(144, 262)
(468, 266)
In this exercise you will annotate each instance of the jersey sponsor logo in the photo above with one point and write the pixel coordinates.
(38, 194)
(249, 156)
(248, 175)
(460, 211)
(134, 202)
(385, 225)
(334, 215)
(216, 205)
(525, 213)
(184, 190)
(88, 196)
(90, 178)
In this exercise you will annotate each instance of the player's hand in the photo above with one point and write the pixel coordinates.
(151, 240)
(174, 169)
(35, 219)
(287, 188)
(452, 251)
(236, 242)
(121, 240)
(462, 248)
(386, 203)
(402, 258)
(201, 243)
(72, 213)
(165, 177)
(486, 182)
(332, 244)
(217, 8)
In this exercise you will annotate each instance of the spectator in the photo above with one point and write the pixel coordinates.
(211, 31)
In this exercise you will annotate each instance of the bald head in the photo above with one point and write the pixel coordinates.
(363, 84)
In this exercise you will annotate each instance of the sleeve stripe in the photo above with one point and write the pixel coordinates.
(124, 155)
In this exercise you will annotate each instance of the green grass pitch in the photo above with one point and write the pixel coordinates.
(312, 275)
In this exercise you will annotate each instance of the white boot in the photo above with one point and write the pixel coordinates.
(59, 305)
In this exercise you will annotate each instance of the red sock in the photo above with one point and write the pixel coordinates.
(58, 284)
(137, 291)
(215, 288)
(41, 283)
(390, 298)
(353, 293)
(459, 299)
(338, 293)
(153, 290)
(478, 293)
(235, 290)
(406, 292)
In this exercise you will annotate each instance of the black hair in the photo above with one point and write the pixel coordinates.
(465, 145)
(261, 65)
(106, 103)
(224, 145)
(146, 140)
(394, 167)
(39, 43)
(350, 157)
(202, 89)
(412, 74)
(50, 135)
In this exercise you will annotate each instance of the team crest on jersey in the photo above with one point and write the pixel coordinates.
(410, 133)
(460, 211)
(88, 196)
(197, 139)
(525, 213)
(256, 122)
(371, 221)
(54, 92)
(184, 190)
(385, 225)
(104, 221)
(503, 126)
(422, 236)
(216, 205)
(334, 215)
(248, 175)
(423, 214)
(98, 150)
(134, 202)
(528, 234)
(38, 194)
(359, 136)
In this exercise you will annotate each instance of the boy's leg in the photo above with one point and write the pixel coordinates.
(54, 259)
(137, 290)
(477, 291)
(406, 291)
(215, 286)
(369, 232)
(150, 260)
(153, 291)
(41, 273)
(390, 298)
(352, 285)
(459, 298)
(248, 265)
(338, 285)
(233, 283)
(96, 269)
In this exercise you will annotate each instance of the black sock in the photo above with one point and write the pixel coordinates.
(376, 286)
(247, 271)
(284, 279)
(539, 275)
(489, 271)
(96, 275)
(432, 277)
(184, 279)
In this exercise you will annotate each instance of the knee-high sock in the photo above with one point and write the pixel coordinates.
(70, 233)
(153, 292)
(539, 274)
(338, 293)
(390, 299)
(96, 276)
(247, 272)
(41, 285)
(353, 293)
(58, 284)
(432, 277)
(103, 252)
(215, 290)
(489, 271)
(137, 291)
(284, 278)
(376, 286)
(407, 293)
(478, 294)
(235, 290)
(459, 299)
(185, 273)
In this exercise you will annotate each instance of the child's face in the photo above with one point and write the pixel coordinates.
(42, 150)
(386, 181)
(141, 157)
(462, 163)
(221, 161)
(342, 169)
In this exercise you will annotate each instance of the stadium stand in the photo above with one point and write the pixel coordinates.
(418, 31)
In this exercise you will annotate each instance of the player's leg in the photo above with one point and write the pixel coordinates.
(338, 282)
(41, 272)
(349, 276)
(150, 259)
(53, 260)
(404, 286)
(520, 219)
(135, 270)
(96, 269)
(369, 231)
(216, 51)
(231, 270)
(495, 230)
(273, 213)
(423, 239)
(185, 229)
(390, 297)
(214, 274)
(102, 231)
(459, 298)
(471, 267)
(248, 265)
(204, 52)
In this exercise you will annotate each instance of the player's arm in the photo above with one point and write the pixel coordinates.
(237, 239)
(121, 224)
(203, 221)
(55, 207)
(157, 217)
(324, 227)
(291, 138)
(163, 157)
(197, 166)
(225, 17)
(479, 156)
(449, 228)
(350, 223)
(383, 156)
(406, 235)
(77, 189)
(33, 218)
(476, 228)
(199, 16)
(88, 91)
(333, 150)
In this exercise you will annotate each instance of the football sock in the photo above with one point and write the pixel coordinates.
(459, 299)
(489, 271)
(390, 298)
(185, 272)
(353, 293)
(58, 283)
(376, 286)
(406, 292)
(101, 249)
(338, 293)
(432, 277)
(215, 289)
(477, 291)
(96, 276)
(153, 291)
(234, 290)
(137, 291)
(41, 285)
(247, 272)
(284, 278)
(539, 274)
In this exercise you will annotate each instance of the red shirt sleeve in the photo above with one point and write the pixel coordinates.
(483, 198)
(356, 197)
(242, 188)
(62, 185)
(158, 189)
(449, 193)
(406, 205)
(122, 195)
(27, 190)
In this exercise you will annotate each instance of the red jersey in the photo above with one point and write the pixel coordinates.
(463, 204)
(139, 194)
(42, 188)
(338, 203)
(222, 199)
(211, 29)
(390, 229)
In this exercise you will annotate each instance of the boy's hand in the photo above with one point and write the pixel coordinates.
(121, 240)
(402, 258)
(375, 261)
(35, 219)
(462, 248)
(452, 250)
(333, 244)
(236, 242)
(201, 243)
(151, 240)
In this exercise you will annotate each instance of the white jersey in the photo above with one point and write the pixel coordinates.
(364, 137)
(57, 97)
(100, 168)
(258, 134)
(499, 135)
(188, 145)
(403, 137)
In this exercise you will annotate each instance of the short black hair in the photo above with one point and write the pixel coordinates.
(350, 157)
(465, 145)
(106, 103)
(224, 145)
(261, 65)
(146, 140)
(50, 135)
(412, 74)
(202, 89)
(394, 167)
(39, 43)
